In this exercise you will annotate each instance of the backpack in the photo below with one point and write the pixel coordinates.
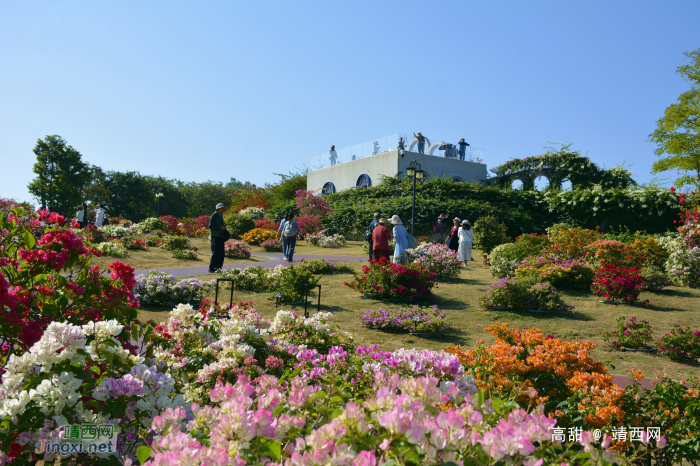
(289, 228)
(412, 241)
(227, 235)
(368, 235)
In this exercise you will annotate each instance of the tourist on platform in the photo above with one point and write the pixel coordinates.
(217, 228)
(280, 233)
(79, 215)
(291, 231)
(462, 149)
(466, 240)
(453, 239)
(400, 238)
(370, 230)
(421, 142)
(401, 144)
(99, 216)
(380, 239)
(446, 150)
(333, 155)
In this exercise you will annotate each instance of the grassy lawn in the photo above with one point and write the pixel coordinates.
(458, 299)
(353, 248)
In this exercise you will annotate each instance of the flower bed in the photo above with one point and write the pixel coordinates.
(267, 225)
(112, 249)
(322, 241)
(605, 251)
(630, 333)
(236, 249)
(618, 284)
(682, 344)
(133, 244)
(437, 258)
(570, 243)
(162, 288)
(253, 278)
(271, 245)
(504, 259)
(386, 280)
(116, 231)
(184, 254)
(171, 242)
(151, 224)
(95, 234)
(683, 266)
(258, 235)
(521, 295)
(322, 266)
(256, 213)
(562, 274)
(416, 319)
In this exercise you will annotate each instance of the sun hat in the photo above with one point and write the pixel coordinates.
(458, 220)
(442, 216)
(465, 222)
(396, 220)
(220, 205)
(383, 220)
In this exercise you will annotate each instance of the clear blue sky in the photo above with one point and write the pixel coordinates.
(213, 90)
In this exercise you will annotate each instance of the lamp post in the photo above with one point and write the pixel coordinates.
(158, 196)
(414, 171)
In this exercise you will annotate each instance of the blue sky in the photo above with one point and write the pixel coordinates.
(214, 90)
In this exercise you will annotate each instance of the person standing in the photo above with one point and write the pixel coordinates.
(453, 239)
(79, 216)
(421, 142)
(333, 156)
(401, 144)
(446, 150)
(370, 237)
(280, 232)
(400, 238)
(99, 216)
(291, 231)
(217, 227)
(85, 216)
(466, 240)
(462, 149)
(380, 239)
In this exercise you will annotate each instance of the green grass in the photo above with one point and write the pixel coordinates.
(458, 299)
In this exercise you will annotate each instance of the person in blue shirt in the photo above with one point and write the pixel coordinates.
(371, 229)
(400, 238)
(280, 232)
(421, 142)
(462, 149)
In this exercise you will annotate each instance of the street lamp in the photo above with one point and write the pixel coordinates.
(414, 171)
(158, 196)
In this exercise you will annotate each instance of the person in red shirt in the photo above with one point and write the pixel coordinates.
(380, 240)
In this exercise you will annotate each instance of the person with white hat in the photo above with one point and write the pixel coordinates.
(217, 228)
(466, 240)
(453, 239)
(400, 238)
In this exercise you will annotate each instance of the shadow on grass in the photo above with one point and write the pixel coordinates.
(569, 315)
(452, 337)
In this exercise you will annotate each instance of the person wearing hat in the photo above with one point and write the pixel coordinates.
(380, 239)
(453, 238)
(462, 149)
(217, 228)
(400, 238)
(466, 240)
(421, 142)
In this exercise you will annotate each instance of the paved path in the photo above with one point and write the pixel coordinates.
(275, 260)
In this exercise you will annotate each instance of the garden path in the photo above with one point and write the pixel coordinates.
(275, 260)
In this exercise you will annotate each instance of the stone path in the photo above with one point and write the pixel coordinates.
(275, 260)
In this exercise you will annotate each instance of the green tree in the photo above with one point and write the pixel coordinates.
(677, 133)
(61, 175)
(131, 196)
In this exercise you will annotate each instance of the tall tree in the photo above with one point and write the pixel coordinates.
(677, 132)
(61, 175)
(131, 196)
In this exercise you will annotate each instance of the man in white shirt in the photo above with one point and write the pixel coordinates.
(99, 216)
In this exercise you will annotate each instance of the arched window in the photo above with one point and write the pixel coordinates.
(364, 181)
(457, 179)
(328, 188)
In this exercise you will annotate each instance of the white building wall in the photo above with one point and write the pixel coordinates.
(345, 175)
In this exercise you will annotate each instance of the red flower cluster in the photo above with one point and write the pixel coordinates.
(618, 283)
(383, 279)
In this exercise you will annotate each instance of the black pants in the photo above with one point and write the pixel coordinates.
(291, 243)
(371, 250)
(217, 254)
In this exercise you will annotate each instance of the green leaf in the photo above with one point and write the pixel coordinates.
(29, 239)
(143, 453)
(390, 463)
(337, 399)
(320, 394)
(271, 449)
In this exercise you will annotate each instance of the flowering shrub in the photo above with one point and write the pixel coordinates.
(504, 259)
(310, 204)
(162, 288)
(87, 374)
(115, 231)
(94, 234)
(267, 225)
(256, 213)
(153, 239)
(655, 279)
(172, 242)
(682, 344)
(321, 240)
(489, 232)
(184, 254)
(618, 284)
(171, 223)
(309, 224)
(544, 297)
(631, 333)
(605, 251)
(112, 249)
(237, 249)
(570, 243)
(382, 280)
(292, 284)
(273, 244)
(132, 243)
(416, 319)
(562, 274)
(253, 278)
(192, 225)
(322, 266)
(438, 258)
(258, 235)
(522, 295)
(650, 250)
(532, 244)
(201, 232)
(151, 224)
(683, 266)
